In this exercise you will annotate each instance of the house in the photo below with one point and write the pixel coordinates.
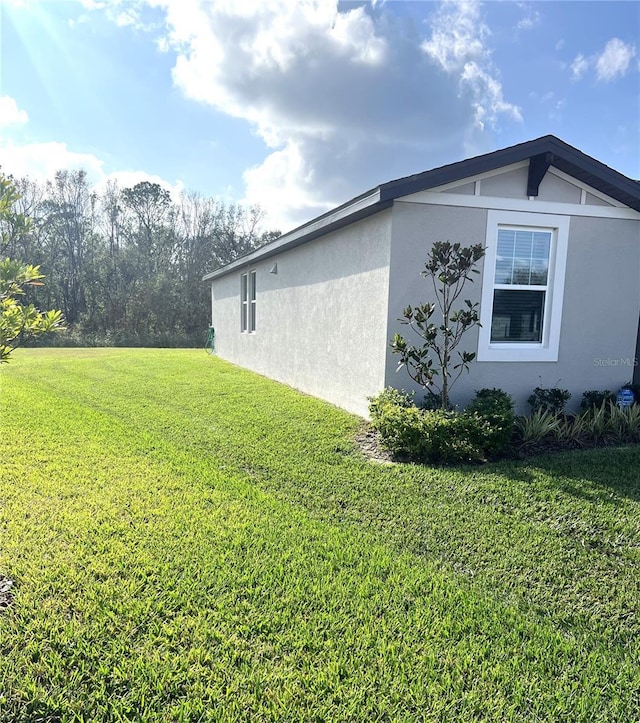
(559, 288)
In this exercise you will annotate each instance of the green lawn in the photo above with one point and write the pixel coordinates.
(192, 542)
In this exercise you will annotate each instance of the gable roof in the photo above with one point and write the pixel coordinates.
(541, 153)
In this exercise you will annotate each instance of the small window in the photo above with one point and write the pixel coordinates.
(244, 302)
(252, 301)
(523, 286)
(248, 302)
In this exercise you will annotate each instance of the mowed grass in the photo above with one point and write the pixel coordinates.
(192, 542)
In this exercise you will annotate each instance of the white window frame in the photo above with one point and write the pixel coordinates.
(252, 302)
(546, 350)
(248, 302)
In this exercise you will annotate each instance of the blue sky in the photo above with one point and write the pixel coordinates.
(299, 106)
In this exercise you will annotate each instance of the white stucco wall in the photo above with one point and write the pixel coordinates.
(321, 320)
(601, 301)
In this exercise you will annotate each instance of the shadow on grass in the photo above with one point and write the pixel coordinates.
(603, 474)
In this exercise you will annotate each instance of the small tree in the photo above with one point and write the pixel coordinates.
(449, 266)
(18, 322)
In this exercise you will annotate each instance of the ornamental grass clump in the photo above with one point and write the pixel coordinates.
(573, 431)
(604, 424)
(624, 423)
(539, 427)
(599, 423)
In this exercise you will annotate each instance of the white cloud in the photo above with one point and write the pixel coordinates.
(614, 60)
(488, 100)
(611, 63)
(458, 45)
(285, 174)
(94, 4)
(124, 13)
(458, 35)
(336, 95)
(557, 112)
(530, 20)
(579, 67)
(126, 18)
(128, 179)
(10, 114)
(40, 161)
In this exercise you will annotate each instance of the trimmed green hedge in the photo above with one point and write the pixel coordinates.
(483, 430)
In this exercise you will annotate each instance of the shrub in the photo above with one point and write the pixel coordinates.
(389, 397)
(431, 435)
(551, 400)
(431, 400)
(594, 398)
(496, 407)
(401, 430)
(487, 426)
(455, 436)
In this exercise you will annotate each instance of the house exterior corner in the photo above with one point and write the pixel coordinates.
(589, 305)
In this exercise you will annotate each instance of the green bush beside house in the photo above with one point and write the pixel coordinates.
(488, 429)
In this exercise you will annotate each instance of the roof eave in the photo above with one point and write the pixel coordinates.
(560, 154)
(555, 151)
(365, 205)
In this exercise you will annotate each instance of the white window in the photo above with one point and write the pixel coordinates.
(523, 286)
(248, 302)
(252, 301)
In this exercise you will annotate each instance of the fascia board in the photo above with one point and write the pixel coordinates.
(360, 207)
(566, 158)
(462, 169)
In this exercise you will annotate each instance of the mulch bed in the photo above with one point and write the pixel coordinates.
(368, 441)
(370, 444)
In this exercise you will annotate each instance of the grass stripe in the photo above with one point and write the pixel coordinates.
(193, 542)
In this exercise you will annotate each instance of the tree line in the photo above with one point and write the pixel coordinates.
(125, 265)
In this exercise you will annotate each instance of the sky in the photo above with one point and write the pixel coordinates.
(300, 105)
